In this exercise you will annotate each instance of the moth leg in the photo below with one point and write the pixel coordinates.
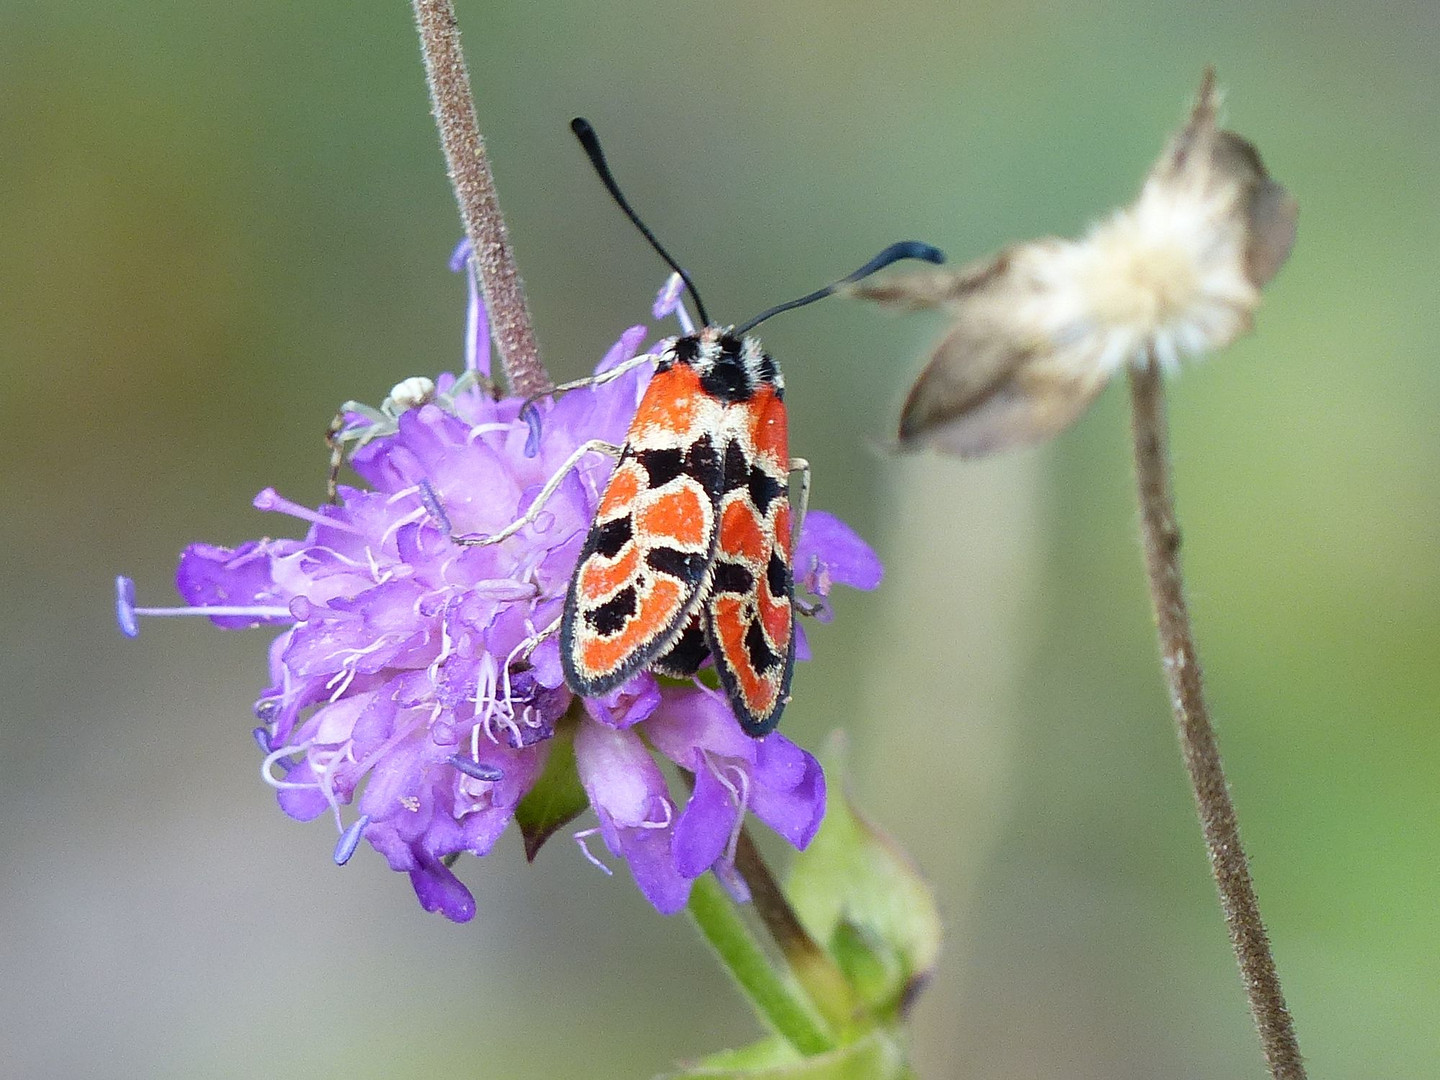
(551, 486)
(802, 500)
(335, 440)
(337, 457)
(802, 503)
(523, 651)
(593, 380)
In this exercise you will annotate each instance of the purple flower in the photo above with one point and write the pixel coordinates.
(418, 680)
(781, 783)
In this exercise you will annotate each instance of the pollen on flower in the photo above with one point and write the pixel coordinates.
(414, 683)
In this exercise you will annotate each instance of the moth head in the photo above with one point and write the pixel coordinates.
(731, 365)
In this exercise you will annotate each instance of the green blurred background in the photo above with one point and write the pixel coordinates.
(218, 221)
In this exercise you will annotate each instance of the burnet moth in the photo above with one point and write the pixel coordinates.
(689, 555)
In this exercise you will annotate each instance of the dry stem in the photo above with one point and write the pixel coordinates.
(1197, 738)
(474, 185)
(813, 966)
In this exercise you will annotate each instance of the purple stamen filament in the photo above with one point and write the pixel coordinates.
(531, 415)
(219, 611)
(271, 500)
(126, 611)
(431, 502)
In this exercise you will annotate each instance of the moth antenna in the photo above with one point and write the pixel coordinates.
(903, 249)
(591, 142)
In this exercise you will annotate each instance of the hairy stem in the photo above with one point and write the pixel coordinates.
(1161, 535)
(776, 1003)
(474, 185)
(814, 968)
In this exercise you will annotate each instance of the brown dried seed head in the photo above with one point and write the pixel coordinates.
(1038, 330)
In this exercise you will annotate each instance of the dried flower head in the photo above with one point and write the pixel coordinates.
(420, 680)
(1038, 329)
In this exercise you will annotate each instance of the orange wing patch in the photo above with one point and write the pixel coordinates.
(645, 562)
(750, 614)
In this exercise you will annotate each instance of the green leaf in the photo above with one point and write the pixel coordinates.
(860, 895)
(557, 797)
(878, 1056)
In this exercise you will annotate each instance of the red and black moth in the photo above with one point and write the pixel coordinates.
(689, 556)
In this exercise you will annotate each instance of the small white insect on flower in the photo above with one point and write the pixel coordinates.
(1039, 328)
(411, 393)
(357, 424)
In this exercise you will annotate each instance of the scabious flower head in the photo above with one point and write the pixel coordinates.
(419, 681)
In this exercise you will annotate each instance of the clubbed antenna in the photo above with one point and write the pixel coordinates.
(591, 142)
(904, 249)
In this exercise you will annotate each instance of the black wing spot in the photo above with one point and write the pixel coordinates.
(762, 657)
(661, 466)
(763, 488)
(685, 566)
(686, 656)
(609, 538)
(777, 576)
(703, 463)
(732, 577)
(737, 469)
(611, 616)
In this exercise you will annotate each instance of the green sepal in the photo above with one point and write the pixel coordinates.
(870, 965)
(705, 676)
(863, 898)
(767, 1053)
(878, 1056)
(558, 797)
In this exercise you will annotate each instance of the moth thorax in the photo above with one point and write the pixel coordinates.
(731, 368)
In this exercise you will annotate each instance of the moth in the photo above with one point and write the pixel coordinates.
(1037, 330)
(690, 553)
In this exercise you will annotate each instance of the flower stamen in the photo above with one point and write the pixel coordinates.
(284, 752)
(271, 500)
(580, 838)
(126, 612)
(350, 840)
(476, 770)
(666, 808)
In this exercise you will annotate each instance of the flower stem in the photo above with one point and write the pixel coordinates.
(776, 1003)
(814, 968)
(474, 185)
(1181, 665)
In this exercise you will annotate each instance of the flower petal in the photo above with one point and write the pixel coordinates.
(705, 825)
(830, 551)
